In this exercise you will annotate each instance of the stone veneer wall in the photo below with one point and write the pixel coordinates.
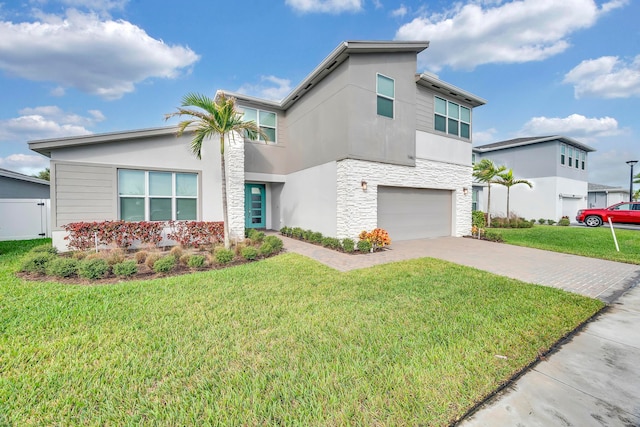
(357, 209)
(234, 151)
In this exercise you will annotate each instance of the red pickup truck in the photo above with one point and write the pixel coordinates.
(626, 212)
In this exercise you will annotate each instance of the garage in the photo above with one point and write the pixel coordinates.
(414, 213)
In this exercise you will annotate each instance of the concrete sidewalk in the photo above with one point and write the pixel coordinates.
(593, 379)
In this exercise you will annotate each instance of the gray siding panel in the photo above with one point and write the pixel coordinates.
(84, 193)
(424, 109)
(16, 189)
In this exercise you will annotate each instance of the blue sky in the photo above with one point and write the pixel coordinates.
(74, 67)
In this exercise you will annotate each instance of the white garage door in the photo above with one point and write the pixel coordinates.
(414, 213)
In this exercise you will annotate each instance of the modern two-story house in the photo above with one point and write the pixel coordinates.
(556, 166)
(362, 142)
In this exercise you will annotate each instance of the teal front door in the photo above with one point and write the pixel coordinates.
(254, 205)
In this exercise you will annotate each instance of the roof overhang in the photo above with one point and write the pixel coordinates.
(5, 173)
(450, 91)
(335, 58)
(565, 139)
(44, 146)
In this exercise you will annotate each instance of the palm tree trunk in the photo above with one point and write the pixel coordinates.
(223, 174)
(508, 219)
(488, 205)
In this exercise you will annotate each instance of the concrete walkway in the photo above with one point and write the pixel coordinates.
(592, 380)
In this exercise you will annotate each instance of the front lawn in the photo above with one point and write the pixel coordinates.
(283, 341)
(589, 242)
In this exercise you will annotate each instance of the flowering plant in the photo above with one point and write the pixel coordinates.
(378, 237)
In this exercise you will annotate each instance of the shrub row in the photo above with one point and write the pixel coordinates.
(83, 235)
(376, 239)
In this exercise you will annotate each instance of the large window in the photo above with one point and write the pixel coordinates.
(157, 196)
(451, 118)
(573, 157)
(385, 89)
(265, 120)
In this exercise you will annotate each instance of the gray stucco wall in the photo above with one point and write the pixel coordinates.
(16, 189)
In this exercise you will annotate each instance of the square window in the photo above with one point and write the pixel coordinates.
(441, 106)
(464, 130)
(131, 182)
(132, 208)
(453, 127)
(452, 118)
(267, 119)
(385, 86)
(160, 183)
(454, 110)
(465, 114)
(186, 184)
(440, 123)
(186, 209)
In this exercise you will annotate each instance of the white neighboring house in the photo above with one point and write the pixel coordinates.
(602, 196)
(24, 206)
(556, 166)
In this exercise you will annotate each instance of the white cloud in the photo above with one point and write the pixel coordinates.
(576, 126)
(399, 12)
(501, 32)
(484, 137)
(28, 164)
(100, 57)
(47, 122)
(270, 87)
(325, 6)
(605, 77)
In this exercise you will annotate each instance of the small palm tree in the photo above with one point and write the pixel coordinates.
(213, 117)
(507, 179)
(486, 171)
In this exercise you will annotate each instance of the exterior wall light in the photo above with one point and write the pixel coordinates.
(465, 190)
(364, 185)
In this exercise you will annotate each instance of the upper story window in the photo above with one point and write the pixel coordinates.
(157, 196)
(452, 118)
(573, 157)
(385, 89)
(266, 121)
(473, 158)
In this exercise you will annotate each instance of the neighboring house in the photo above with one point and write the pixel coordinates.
(24, 206)
(362, 142)
(602, 196)
(556, 166)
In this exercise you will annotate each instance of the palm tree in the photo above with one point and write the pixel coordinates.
(486, 171)
(507, 179)
(212, 117)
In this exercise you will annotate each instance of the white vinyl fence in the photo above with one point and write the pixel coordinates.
(22, 219)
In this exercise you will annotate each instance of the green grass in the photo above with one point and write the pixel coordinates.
(589, 242)
(284, 341)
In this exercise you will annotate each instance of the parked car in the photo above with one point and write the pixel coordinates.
(626, 212)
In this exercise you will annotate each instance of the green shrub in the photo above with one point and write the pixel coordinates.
(493, 236)
(249, 253)
(266, 249)
(315, 237)
(196, 261)
(125, 268)
(94, 268)
(478, 219)
(564, 222)
(255, 235)
(62, 267)
(550, 222)
(165, 264)
(44, 249)
(224, 256)
(532, 221)
(348, 245)
(275, 242)
(285, 231)
(522, 223)
(542, 221)
(297, 233)
(331, 243)
(36, 262)
(364, 246)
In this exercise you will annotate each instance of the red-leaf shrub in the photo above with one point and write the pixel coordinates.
(196, 233)
(82, 235)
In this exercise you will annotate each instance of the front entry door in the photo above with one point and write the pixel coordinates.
(254, 205)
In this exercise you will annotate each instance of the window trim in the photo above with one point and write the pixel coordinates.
(257, 122)
(380, 95)
(147, 196)
(447, 118)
